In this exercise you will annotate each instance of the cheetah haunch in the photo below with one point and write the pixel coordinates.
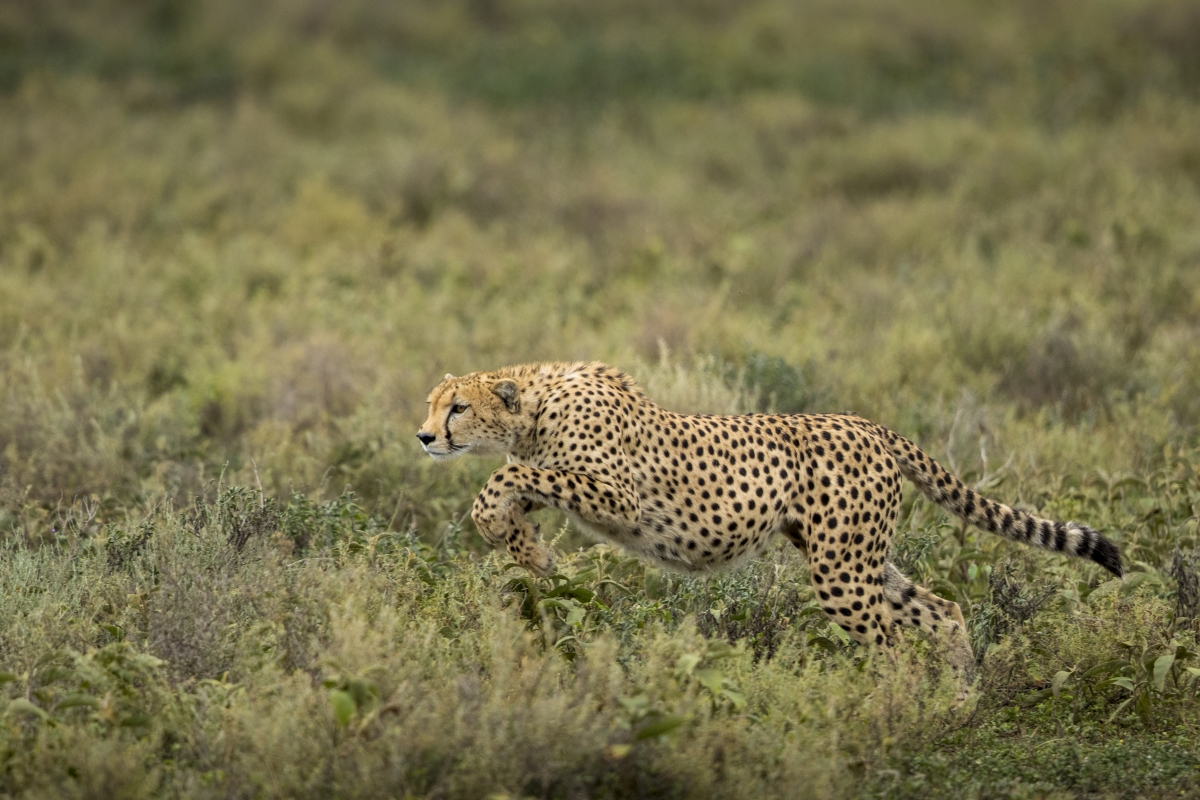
(699, 493)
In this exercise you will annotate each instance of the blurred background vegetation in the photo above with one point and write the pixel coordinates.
(240, 241)
(233, 232)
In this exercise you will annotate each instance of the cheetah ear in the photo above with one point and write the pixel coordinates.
(448, 377)
(507, 391)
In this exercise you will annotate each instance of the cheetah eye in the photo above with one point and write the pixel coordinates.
(458, 408)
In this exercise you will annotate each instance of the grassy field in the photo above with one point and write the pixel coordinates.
(240, 242)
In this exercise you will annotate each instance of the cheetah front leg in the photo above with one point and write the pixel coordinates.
(508, 526)
(499, 510)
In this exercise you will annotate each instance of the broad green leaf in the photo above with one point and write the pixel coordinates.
(1124, 683)
(76, 700)
(710, 679)
(687, 663)
(1056, 684)
(1162, 666)
(735, 697)
(841, 634)
(583, 594)
(1137, 579)
(362, 691)
(7, 677)
(1142, 703)
(1035, 698)
(584, 576)
(1120, 708)
(424, 573)
(659, 726)
(824, 642)
(609, 582)
(343, 706)
(52, 674)
(1107, 668)
(23, 706)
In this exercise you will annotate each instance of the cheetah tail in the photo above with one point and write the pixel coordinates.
(949, 492)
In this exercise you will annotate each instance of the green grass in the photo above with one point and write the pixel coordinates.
(238, 244)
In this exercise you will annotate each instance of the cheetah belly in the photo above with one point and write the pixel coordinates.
(636, 544)
(645, 543)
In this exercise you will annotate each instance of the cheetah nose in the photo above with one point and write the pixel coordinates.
(426, 438)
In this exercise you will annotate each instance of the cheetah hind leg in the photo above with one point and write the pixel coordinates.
(914, 606)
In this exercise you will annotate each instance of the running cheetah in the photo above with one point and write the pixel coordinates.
(699, 493)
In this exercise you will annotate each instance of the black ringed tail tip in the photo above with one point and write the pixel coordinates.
(1106, 554)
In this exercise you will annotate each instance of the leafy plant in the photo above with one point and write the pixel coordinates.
(1149, 677)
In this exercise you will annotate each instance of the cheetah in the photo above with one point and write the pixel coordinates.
(701, 493)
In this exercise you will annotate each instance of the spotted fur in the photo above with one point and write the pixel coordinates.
(699, 493)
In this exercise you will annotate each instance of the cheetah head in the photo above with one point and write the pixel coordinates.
(477, 414)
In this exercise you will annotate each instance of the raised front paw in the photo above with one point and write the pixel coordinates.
(527, 549)
(539, 561)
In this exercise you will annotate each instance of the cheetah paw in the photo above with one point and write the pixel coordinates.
(540, 562)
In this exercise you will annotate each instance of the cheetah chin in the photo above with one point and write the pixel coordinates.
(699, 493)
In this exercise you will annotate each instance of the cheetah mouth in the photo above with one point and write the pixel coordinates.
(445, 455)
